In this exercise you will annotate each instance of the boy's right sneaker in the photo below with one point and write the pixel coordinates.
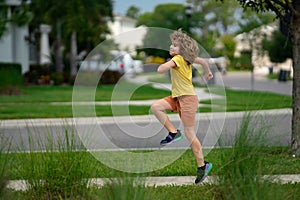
(170, 139)
(202, 174)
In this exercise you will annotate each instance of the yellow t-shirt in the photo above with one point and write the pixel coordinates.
(181, 77)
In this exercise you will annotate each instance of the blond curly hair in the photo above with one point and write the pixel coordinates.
(188, 47)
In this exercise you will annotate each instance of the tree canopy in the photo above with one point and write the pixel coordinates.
(133, 12)
(279, 47)
(171, 16)
(87, 18)
(208, 21)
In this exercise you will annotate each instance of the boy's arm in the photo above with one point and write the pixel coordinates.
(166, 66)
(203, 63)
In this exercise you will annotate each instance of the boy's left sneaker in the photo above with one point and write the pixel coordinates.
(202, 174)
(170, 139)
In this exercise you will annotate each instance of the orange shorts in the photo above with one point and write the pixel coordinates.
(187, 106)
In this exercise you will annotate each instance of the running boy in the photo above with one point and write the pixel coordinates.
(184, 51)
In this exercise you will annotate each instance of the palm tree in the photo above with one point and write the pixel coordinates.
(77, 20)
(20, 15)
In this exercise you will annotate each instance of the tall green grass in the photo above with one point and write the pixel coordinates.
(5, 162)
(61, 172)
(124, 188)
(66, 171)
(241, 176)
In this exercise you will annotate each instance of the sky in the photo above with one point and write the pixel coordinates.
(120, 6)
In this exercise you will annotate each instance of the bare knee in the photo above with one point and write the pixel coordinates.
(155, 107)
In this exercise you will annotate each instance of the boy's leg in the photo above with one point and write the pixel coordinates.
(189, 106)
(195, 145)
(158, 108)
(203, 167)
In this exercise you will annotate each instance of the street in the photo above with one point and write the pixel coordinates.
(139, 132)
(242, 81)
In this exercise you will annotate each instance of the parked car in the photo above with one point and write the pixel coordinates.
(138, 66)
(219, 62)
(121, 61)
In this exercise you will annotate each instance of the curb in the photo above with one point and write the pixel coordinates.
(21, 185)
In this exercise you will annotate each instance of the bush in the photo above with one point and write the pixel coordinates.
(45, 75)
(110, 77)
(58, 78)
(38, 74)
(242, 63)
(10, 78)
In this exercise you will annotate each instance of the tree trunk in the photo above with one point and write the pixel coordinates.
(73, 60)
(58, 49)
(58, 56)
(295, 140)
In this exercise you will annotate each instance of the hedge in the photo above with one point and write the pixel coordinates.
(10, 78)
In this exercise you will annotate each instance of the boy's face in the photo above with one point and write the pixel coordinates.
(174, 48)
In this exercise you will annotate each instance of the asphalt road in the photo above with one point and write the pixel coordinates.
(139, 132)
(244, 81)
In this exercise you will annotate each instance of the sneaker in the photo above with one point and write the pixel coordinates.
(170, 139)
(202, 174)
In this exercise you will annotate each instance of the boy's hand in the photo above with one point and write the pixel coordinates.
(208, 76)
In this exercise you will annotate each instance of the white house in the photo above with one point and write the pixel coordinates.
(253, 39)
(13, 45)
(125, 33)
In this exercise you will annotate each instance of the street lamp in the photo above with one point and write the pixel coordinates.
(188, 13)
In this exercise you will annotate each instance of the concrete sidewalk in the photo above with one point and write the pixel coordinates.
(21, 185)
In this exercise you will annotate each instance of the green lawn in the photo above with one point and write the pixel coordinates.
(35, 101)
(45, 94)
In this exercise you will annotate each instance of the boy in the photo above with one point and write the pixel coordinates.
(184, 51)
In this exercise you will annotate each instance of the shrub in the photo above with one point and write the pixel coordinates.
(58, 78)
(110, 77)
(38, 74)
(10, 78)
(45, 75)
(229, 45)
(243, 62)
